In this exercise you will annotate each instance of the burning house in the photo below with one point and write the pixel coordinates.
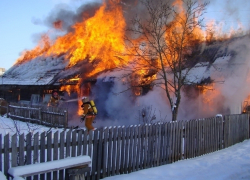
(88, 60)
(39, 76)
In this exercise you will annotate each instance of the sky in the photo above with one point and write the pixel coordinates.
(22, 22)
(231, 163)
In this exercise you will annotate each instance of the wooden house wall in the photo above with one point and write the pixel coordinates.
(23, 93)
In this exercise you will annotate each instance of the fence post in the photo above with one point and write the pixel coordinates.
(6, 154)
(40, 115)
(248, 127)
(8, 111)
(65, 118)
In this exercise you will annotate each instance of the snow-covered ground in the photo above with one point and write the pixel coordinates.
(9, 126)
(232, 163)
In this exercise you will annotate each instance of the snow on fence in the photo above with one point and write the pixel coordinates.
(121, 150)
(75, 166)
(45, 115)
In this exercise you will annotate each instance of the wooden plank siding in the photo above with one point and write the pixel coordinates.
(121, 150)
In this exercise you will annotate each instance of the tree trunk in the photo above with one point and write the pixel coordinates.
(174, 114)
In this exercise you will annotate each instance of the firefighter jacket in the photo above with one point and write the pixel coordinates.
(89, 108)
(54, 102)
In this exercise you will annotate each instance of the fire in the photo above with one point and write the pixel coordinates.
(140, 79)
(205, 88)
(97, 39)
(246, 105)
(208, 96)
(74, 88)
(69, 89)
(39, 50)
(100, 41)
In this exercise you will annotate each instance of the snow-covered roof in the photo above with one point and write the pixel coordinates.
(40, 71)
(202, 71)
(198, 73)
(50, 70)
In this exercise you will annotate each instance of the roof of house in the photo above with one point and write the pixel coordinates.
(41, 71)
(51, 70)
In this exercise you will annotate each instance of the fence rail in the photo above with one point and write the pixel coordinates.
(121, 150)
(45, 115)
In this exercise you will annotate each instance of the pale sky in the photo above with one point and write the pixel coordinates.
(21, 21)
(18, 27)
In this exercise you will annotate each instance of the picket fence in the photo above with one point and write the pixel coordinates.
(45, 115)
(122, 150)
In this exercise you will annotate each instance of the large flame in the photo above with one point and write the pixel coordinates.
(100, 41)
(97, 38)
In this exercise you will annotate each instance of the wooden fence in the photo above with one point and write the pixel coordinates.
(121, 150)
(45, 115)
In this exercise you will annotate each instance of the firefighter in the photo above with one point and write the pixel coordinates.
(89, 112)
(54, 99)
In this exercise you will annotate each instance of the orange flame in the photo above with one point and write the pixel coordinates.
(98, 38)
(208, 96)
(100, 41)
(39, 50)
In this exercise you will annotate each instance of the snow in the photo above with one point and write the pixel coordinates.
(18, 178)
(9, 126)
(50, 166)
(39, 71)
(198, 73)
(2, 176)
(232, 163)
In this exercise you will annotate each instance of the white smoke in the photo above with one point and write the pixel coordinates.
(230, 72)
(231, 84)
(117, 107)
(230, 14)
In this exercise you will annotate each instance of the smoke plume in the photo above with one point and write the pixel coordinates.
(230, 73)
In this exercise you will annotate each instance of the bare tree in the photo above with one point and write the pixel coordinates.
(162, 40)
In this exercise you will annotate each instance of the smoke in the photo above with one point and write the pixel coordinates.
(119, 107)
(66, 15)
(69, 17)
(226, 13)
(229, 13)
(236, 87)
(231, 75)
(231, 86)
(114, 108)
